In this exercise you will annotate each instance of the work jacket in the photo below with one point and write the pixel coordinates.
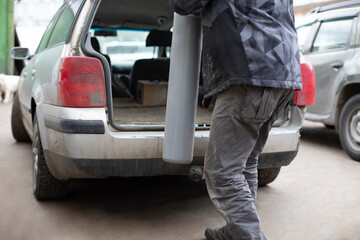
(246, 42)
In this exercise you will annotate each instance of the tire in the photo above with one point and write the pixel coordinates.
(17, 126)
(267, 175)
(45, 185)
(349, 127)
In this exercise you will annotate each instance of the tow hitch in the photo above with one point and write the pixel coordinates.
(195, 173)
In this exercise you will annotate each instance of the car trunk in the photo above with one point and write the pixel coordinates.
(132, 39)
(130, 112)
(127, 109)
(120, 37)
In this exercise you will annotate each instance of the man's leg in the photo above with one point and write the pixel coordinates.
(231, 142)
(238, 117)
(251, 173)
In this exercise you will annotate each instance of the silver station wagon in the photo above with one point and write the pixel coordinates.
(92, 99)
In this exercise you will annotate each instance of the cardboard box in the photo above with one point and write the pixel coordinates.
(151, 93)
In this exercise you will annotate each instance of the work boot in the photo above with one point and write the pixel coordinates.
(218, 234)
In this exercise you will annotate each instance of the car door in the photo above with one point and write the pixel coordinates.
(330, 51)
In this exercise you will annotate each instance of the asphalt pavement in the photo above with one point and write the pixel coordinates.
(316, 197)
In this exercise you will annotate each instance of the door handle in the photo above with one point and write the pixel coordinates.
(33, 73)
(337, 65)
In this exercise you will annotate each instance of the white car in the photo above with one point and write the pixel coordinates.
(66, 107)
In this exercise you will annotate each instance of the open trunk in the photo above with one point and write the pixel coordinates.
(133, 41)
(129, 112)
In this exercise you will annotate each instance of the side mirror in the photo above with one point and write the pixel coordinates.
(20, 53)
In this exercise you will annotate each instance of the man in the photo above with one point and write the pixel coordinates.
(250, 60)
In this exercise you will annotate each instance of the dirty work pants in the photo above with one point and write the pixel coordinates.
(240, 125)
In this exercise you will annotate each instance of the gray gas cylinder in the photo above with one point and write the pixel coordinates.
(182, 90)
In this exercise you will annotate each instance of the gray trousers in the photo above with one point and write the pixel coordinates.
(240, 126)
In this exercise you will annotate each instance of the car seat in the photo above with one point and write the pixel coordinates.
(155, 69)
(96, 46)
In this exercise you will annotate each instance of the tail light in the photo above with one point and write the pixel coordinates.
(307, 95)
(81, 82)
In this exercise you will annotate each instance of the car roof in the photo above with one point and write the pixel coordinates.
(339, 5)
(134, 14)
(332, 11)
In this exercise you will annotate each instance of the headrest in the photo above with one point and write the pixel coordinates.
(159, 38)
(95, 44)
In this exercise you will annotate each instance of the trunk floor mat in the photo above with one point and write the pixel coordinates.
(129, 112)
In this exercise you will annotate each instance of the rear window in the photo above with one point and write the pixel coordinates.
(45, 39)
(124, 45)
(60, 26)
(333, 35)
(127, 49)
(64, 24)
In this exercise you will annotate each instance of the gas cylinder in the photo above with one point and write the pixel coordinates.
(183, 87)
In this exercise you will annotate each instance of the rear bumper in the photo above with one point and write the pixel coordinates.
(64, 168)
(79, 143)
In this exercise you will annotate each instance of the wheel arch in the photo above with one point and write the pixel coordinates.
(35, 110)
(346, 93)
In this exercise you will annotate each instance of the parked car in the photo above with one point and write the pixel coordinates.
(80, 130)
(329, 38)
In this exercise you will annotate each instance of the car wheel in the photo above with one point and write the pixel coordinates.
(17, 126)
(267, 175)
(45, 185)
(349, 127)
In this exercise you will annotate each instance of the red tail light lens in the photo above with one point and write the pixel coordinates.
(81, 82)
(307, 95)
